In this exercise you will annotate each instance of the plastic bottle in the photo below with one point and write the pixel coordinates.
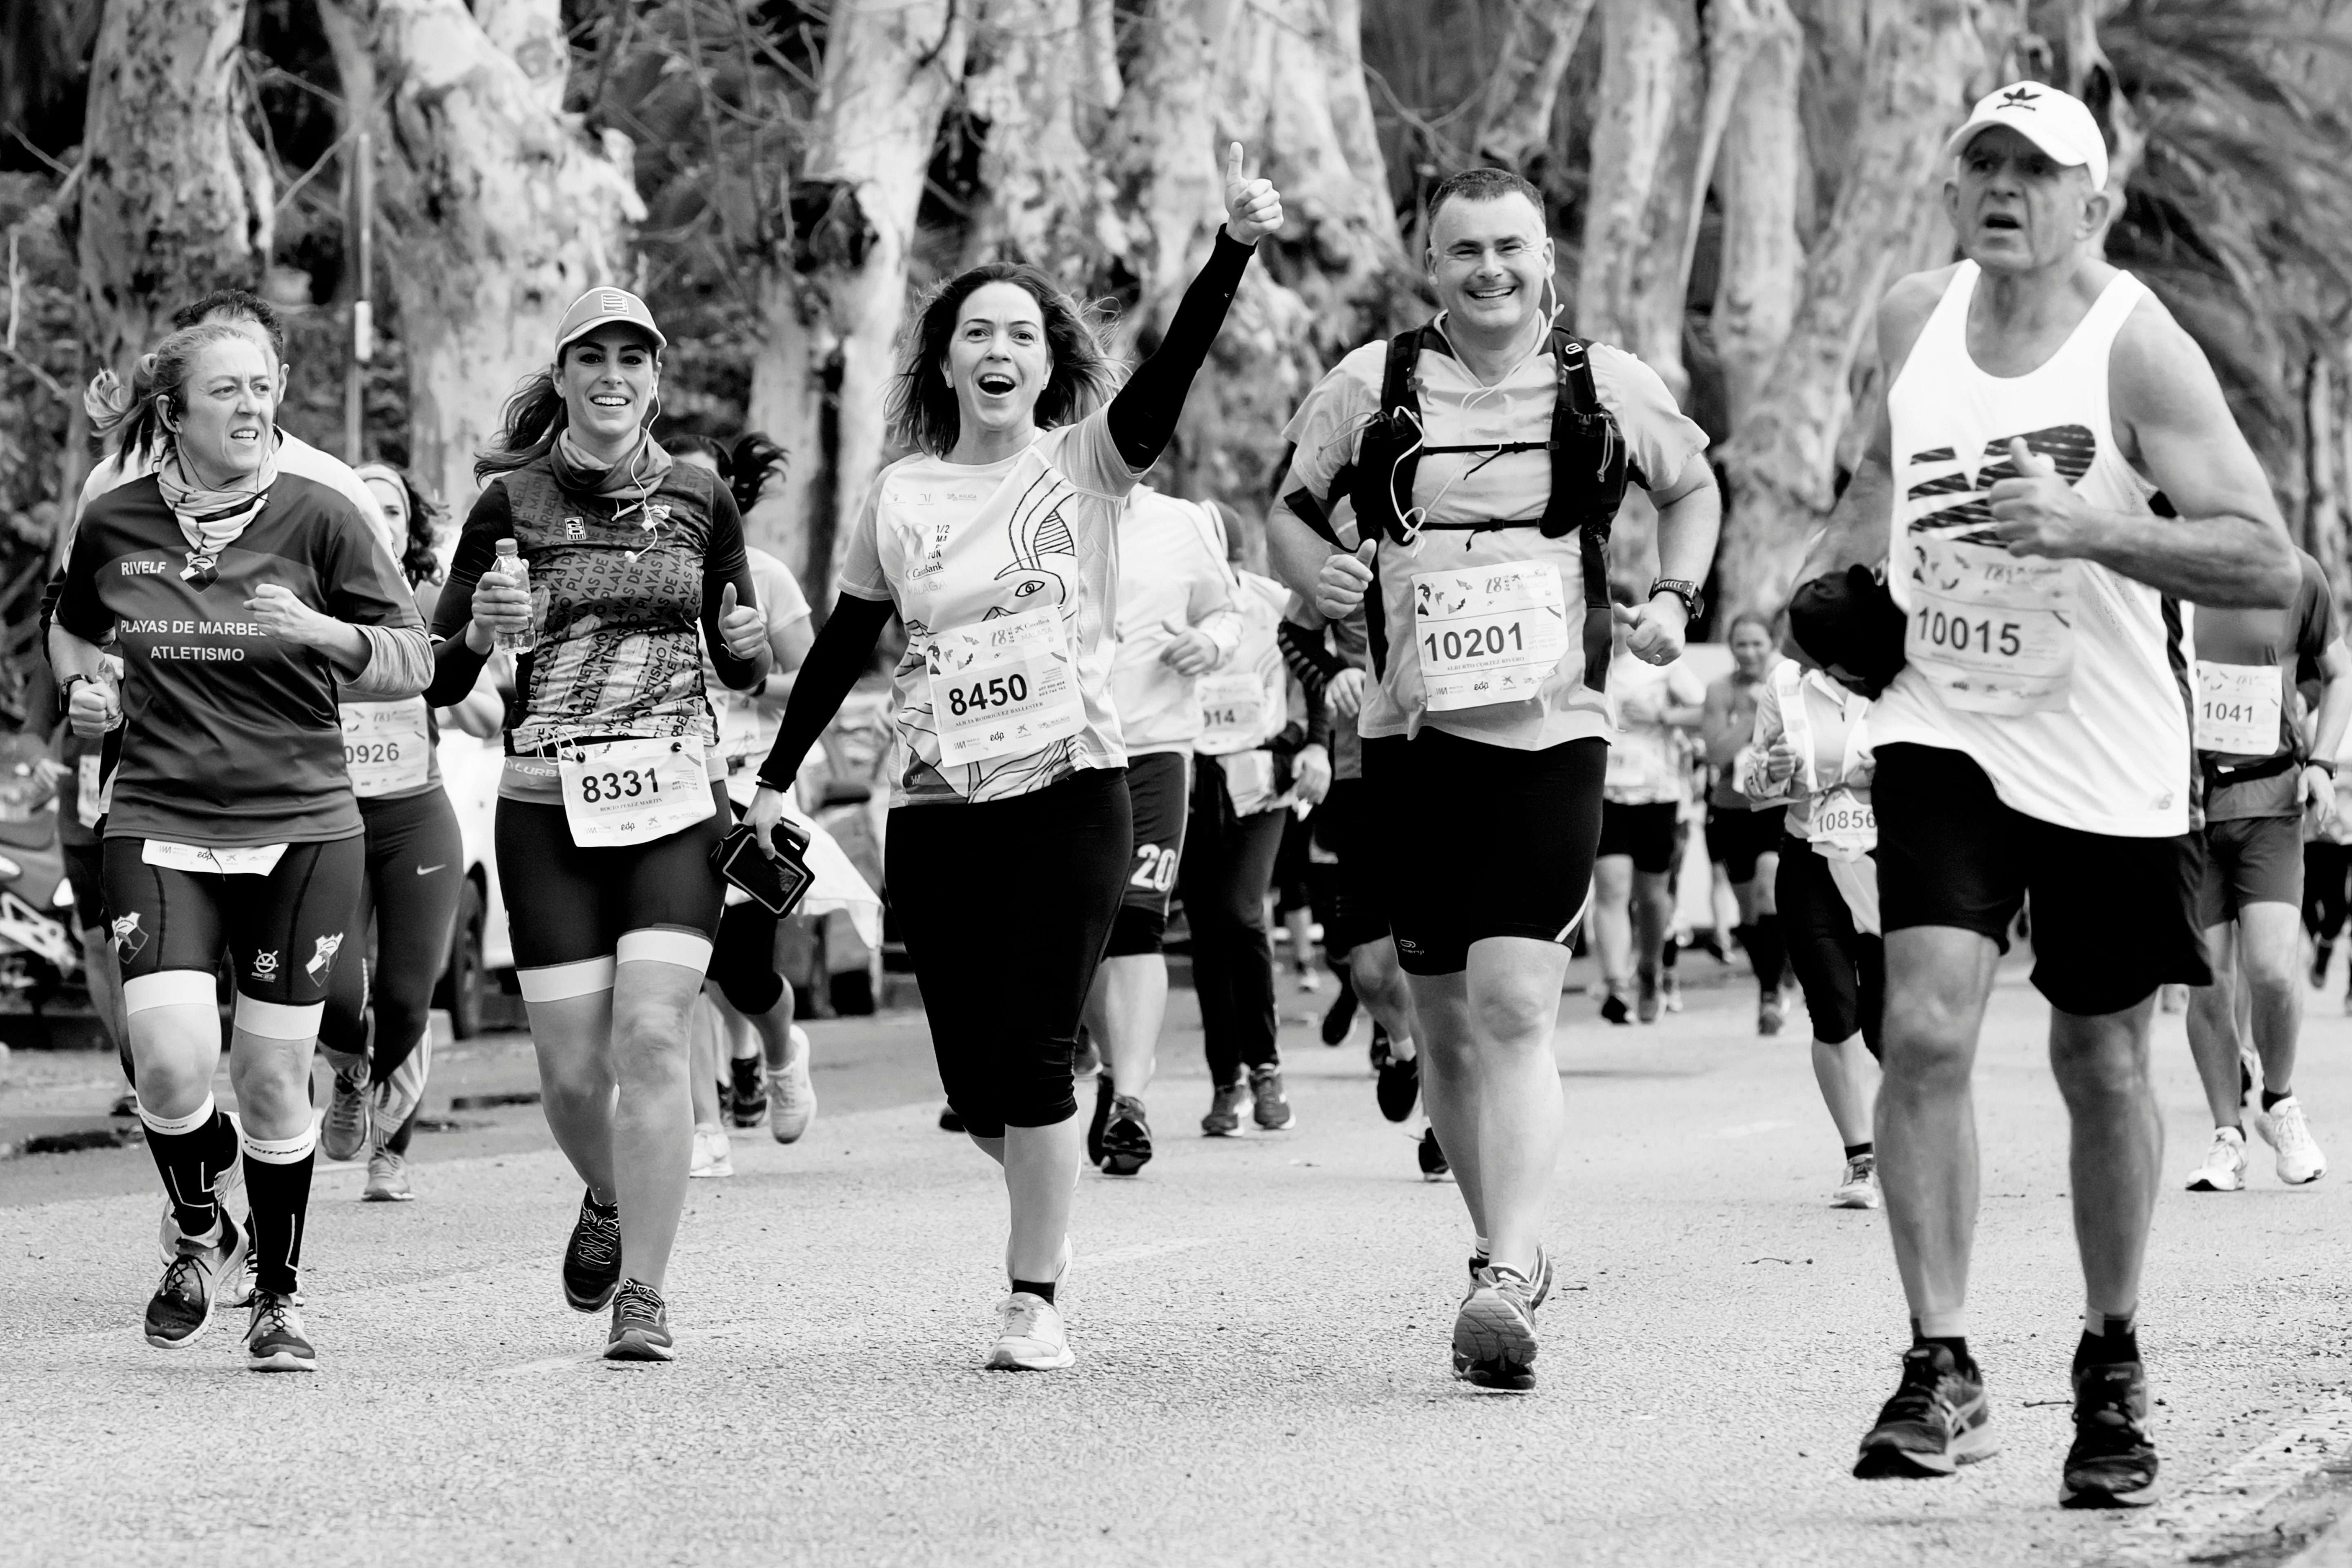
(514, 567)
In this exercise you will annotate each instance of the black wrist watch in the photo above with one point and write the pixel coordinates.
(1681, 588)
(2325, 765)
(65, 689)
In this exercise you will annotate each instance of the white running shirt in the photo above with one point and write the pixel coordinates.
(2114, 759)
(1171, 574)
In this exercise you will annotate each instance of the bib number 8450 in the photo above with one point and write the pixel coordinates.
(997, 691)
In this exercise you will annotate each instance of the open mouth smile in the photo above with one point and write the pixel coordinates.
(995, 384)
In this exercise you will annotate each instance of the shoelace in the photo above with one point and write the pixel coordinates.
(600, 1238)
(176, 1277)
(272, 1314)
(1022, 1321)
(637, 1300)
(1919, 1397)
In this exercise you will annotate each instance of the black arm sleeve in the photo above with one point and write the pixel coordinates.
(1143, 415)
(456, 666)
(835, 660)
(1311, 659)
(722, 564)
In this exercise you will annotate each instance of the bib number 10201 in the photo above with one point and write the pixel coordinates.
(1938, 629)
(996, 691)
(1474, 642)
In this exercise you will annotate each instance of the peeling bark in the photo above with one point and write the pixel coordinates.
(1515, 114)
(1756, 176)
(1645, 141)
(1043, 199)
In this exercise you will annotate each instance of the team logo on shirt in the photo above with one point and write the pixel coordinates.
(264, 966)
(145, 568)
(2071, 447)
(128, 938)
(574, 529)
(323, 961)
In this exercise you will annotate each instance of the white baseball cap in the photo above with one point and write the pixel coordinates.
(2057, 122)
(597, 307)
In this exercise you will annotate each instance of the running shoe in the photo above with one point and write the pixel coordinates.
(1937, 1421)
(1479, 1260)
(1382, 1048)
(1398, 1086)
(1433, 1167)
(1273, 1113)
(1859, 1189)
(2112, 1463)
(1769, 1016)
(1340, 1016)
(228, 1193)
(1646, 996)
(1226, 1108)
(190, 1287)
(127, 1103)
(712, 1157)
(592, 1262)
(949, 1121)
(1104, 1095)
(640, 1325)
(1127, 1138)
(343, 1131)
(2283, 1127)
(1494, 1331)
(747, 1096)
(1615, 1009)
(274, 1341)
(793, 1095)
(2224, 1170)
(1029, 1336)
(1670, 992)
(387, 1178)
(1308, 980)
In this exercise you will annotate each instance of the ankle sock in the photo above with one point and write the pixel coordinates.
(2269, 1101)
(1856, 1151)
(278, 1179)
(181, 1146)
(2107, 1337)
(1948, 1329)
(1036, 1288)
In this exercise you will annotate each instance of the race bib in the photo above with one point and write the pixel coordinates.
(1249, 780)
(1488, 634)
(1844, 825)
(634, 792)
(1233, 710)
(1992, 632)
(2238, 709)
(385, 747)
(253, 861)
(1004, 687)
(93, 791)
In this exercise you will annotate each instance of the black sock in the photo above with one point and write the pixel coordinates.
(180, 1147)
(278, 1179)
(1855, 1150)
(1034, 1288)
(2269, 1101)
(1956, 1343)
(2118, 1341)
(1767, 951)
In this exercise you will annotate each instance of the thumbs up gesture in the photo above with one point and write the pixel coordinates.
(2038, 512)
(1253, 208)
(1344, 581)
(740, 626)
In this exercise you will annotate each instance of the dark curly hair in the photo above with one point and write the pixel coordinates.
(922, 407)
(417, 558)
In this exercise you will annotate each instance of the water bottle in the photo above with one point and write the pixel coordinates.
(514, 567)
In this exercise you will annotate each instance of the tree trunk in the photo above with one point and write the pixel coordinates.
(1645, 141)
(1923, 54)
(175, 199)
(1755, 177)
(1043, 199)
(499, 213)
(1515, 114)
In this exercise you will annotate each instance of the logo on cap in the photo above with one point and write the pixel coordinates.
(613, 299)
(2019, 98)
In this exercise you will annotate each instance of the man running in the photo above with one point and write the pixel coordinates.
(2037, 740)
(1470, 468)
(1743, 840)
(2262, 782)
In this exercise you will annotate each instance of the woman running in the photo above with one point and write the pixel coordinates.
(613, 793)
(241, 596)
(1010, 832)
(1811, 749)
(378, 1029)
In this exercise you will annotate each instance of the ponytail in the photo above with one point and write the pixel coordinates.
(535, 418)
(161, 377)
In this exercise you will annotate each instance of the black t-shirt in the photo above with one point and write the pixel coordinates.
(231, 736)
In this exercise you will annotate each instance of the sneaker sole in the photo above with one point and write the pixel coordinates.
(1285, 1125)
(1233, 1131)
(1003, 1359)
(373, 1195)
(1494, 1347)
(598, 1304)
(1118, 1162)
(2201, 1183)
(1859, 1201)
(284, 1361)
(1887, 1462)
(2071, 1496)
(636, 1345)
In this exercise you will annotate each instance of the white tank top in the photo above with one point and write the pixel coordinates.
(2108, 749)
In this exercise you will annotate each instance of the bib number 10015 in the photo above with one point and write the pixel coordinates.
(2005, 640)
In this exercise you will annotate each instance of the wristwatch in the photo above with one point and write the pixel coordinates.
(65, 689)
(1681, 588)
(2328, 764)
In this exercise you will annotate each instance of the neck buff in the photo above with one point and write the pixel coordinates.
(633, 479)
(211, 520)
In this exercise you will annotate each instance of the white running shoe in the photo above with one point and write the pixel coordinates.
(712, 1157)
(792, 1097)
(2224, 1170)
(1029, 1336)
(1859, 1188)
(2300, 1162)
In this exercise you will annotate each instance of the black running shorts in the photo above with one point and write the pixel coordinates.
(1159, 793)
(1357, 910)
(1476, 840)
(85, 874)
(1737, 838)
(1644, 832)
(569, 905)
(286, 931)
(2250, 860)
(1842, 971)
(2112, 918)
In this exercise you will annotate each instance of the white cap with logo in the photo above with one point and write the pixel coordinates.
(2058, 122)
(599, 306)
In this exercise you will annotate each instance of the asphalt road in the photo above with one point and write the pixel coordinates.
(1261, 1326)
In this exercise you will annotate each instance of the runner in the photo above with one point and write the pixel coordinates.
(2037, 399)
(1811, 750)
(242, 596)
(1642, 802)
(1743, 840)
(1486, 734)
(378, 1028)
(1256, 762)
(2326, 870)
(612, 795)
(2264, 780)
(1010, 834)
(1177, 621)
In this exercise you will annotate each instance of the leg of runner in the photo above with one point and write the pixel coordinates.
(2324, 867)
(1653, 918)
(1129, 1000)
(1842, 972)
(1612, 935)
(1227, 867)
(710, 1031)
(416, 874)
(2268, 956)
(2213, 1045)
(344, 1127)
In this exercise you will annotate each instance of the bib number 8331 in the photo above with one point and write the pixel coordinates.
(625, 784)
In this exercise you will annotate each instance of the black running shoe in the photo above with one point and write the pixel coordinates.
(1494, 1331)
(747, 1101)
(592, 1263)
(1340, 1016)
(193, 1283)
(2112, 1463)
(1614, 1009)
(274, 1341)
(1398, 1086)
(640, 1325)
(1103, 1096)
(1433, 1167)
(1127, 1138)
(1937, 1421)
(125, 1104)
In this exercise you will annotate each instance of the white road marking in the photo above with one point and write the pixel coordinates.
(2181, 1528)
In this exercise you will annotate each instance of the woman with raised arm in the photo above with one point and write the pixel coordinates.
(1010, 832)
